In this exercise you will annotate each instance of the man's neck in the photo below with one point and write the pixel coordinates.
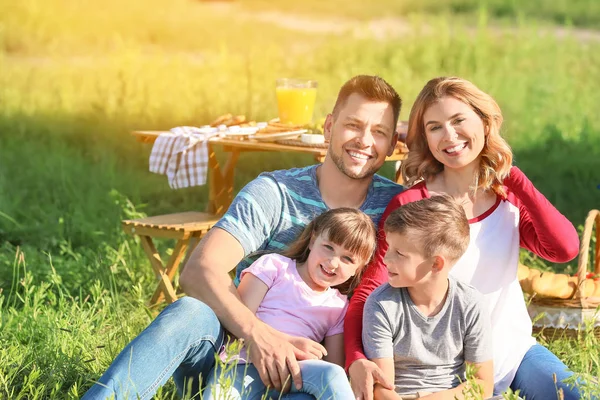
(339, 190)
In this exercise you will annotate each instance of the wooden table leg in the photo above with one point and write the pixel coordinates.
(165, 287)
(220, 185)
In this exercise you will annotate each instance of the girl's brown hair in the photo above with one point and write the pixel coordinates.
(496, 156)
(346, 227)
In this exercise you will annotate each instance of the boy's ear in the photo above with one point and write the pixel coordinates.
(438, 263)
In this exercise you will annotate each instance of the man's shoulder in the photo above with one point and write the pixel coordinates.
(284, 176)
(381, 192)
(385, 185)
(282, 181)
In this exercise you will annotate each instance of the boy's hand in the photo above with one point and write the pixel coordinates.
(363, 376)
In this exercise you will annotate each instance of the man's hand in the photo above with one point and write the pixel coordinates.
(275, 355)
(363, 376)
(307, 349)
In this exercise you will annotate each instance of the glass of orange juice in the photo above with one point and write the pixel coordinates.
(296, 100)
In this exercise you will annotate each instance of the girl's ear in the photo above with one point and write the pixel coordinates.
(311, 242)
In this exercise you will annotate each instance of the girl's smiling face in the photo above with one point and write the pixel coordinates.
(455, 133)
(328, 264)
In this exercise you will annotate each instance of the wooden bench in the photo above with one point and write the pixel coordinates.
(186, 227)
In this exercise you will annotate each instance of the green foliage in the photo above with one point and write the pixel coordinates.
(77, 77)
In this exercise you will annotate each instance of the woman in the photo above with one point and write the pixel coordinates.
(456, 149)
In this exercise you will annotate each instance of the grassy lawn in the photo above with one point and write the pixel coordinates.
(77, 77)
(582, 13)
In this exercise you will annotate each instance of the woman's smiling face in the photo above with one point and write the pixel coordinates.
(455, 133)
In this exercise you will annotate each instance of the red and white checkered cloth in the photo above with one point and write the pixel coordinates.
(182, 154)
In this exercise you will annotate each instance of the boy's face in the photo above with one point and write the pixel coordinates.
(405, 262)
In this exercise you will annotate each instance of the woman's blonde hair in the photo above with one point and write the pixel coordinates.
(496, 156)
(347, 227)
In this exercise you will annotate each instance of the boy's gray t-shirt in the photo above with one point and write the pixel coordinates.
(429, 352)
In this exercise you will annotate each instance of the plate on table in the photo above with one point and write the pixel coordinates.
(271, 137)
(239, 132)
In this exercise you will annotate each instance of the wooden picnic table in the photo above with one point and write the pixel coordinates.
(220, 182)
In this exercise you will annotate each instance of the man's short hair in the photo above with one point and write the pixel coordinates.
(439, 225)
(372, 88)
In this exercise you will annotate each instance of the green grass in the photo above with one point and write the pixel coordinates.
(77, 77)
(583, 13)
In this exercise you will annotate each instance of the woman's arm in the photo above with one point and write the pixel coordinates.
(364, 373)
(374, 276)
(542, 228)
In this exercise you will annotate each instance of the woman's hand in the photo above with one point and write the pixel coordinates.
(363, 376)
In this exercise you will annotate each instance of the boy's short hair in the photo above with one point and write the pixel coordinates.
(439, 225)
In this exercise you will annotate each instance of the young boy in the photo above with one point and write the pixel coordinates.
(423, 327)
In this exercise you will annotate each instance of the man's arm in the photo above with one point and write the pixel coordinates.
(206, 277)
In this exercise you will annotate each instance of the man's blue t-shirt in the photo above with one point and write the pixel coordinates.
(273, 209)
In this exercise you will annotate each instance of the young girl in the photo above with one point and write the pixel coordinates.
(456, 148)
(294, 294)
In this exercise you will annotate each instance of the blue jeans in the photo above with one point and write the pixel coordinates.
(181, 342)
(320, 380)
(534, 376)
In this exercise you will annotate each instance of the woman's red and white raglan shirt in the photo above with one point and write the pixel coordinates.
(525, 218)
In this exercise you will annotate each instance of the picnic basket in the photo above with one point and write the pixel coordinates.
(555, 317)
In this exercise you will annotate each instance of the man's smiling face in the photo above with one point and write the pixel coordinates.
(361, 135)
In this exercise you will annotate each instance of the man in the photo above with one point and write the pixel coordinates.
(266, 215)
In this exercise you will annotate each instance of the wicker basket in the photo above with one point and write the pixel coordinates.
(576, 315)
